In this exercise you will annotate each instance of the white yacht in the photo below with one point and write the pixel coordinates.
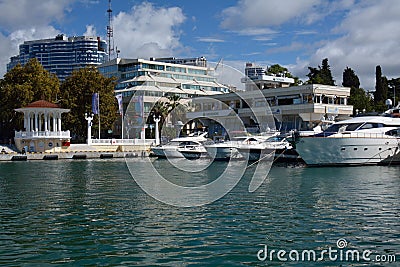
(227, 150)
(357, 141)
(189, 146)
(256, 149)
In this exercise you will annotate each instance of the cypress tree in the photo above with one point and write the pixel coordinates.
(350, 79)
(378, 95)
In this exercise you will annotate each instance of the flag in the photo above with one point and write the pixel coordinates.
(95, 103)
(120, 106)
(141, 106)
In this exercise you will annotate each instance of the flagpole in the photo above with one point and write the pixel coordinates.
(98, 104)
(122, 124)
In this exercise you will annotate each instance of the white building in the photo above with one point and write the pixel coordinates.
(42, 128)
(257, 75)
(155, 79)
(296, 107)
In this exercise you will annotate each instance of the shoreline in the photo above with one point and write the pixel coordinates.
(80, 151)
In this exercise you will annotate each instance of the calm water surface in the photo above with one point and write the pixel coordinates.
(92, 213)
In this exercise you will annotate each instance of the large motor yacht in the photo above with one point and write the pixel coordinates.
(357, 141)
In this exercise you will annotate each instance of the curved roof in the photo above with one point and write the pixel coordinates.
(42, 104)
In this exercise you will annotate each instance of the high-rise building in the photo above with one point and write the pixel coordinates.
(61, 55)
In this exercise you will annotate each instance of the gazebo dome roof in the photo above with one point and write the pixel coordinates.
(42, 104)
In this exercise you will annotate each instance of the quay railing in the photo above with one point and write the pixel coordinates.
(355, 135)
(125, 142)
(42, 134)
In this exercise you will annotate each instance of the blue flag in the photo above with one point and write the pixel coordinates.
(95, 103)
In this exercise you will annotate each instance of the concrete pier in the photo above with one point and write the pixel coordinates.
(80, 152)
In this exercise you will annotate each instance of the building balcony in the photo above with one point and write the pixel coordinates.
(42, 135)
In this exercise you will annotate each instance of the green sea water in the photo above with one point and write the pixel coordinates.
(92, 213)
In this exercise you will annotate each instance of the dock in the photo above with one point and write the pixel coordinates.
(79, 152)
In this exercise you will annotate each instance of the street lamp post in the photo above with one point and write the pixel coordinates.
(157, 134)
(89, 129)
(394, 94)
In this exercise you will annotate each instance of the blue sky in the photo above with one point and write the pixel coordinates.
(292, 33)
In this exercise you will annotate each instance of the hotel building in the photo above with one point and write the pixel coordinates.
(157, 78)
(62, 55)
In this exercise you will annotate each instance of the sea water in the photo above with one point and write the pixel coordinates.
(93, 213)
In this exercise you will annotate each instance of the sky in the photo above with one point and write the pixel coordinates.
(293, 33)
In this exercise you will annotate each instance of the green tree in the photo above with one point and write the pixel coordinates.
(279, 70)
(326, 73)
(360, 100)
(321, 75)
(350, 79)
(381, 90)
(21, 86)
(379, 94)
(358, 97)
(162, 109)
(77, 91)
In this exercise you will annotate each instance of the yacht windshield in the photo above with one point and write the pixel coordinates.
(275, 139)
(340, 128)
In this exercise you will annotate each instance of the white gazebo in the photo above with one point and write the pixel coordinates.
(42, 123)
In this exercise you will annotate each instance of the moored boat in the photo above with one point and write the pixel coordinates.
(189, 147)
(357, 141)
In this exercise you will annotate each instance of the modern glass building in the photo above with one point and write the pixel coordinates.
(155, 79)
(61, 55)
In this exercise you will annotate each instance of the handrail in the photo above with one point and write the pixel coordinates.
(49, 134)
(352, 135)
(122, 141)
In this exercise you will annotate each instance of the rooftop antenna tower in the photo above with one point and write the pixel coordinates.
(110, 32)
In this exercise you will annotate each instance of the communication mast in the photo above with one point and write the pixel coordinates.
(110, 32)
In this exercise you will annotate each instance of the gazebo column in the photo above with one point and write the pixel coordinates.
(54, 123)
(59, 122)
(46, 120)
(31, 126)
(36, 122)
(27, 122)
(40, 122)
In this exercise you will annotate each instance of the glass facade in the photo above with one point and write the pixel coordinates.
(62, 55)
(163, 75)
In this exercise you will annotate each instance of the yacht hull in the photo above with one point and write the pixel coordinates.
(222, 152)
(317, 151)
(166, 152)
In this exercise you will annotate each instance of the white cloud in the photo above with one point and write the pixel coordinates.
(147, 31)
(256, 31)
(5, 48)
(210, 40)
(22, 20)
(19, 36)
(90, 31)
(9, 44)
(19, 14)
(369, 37)
(261, 13)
